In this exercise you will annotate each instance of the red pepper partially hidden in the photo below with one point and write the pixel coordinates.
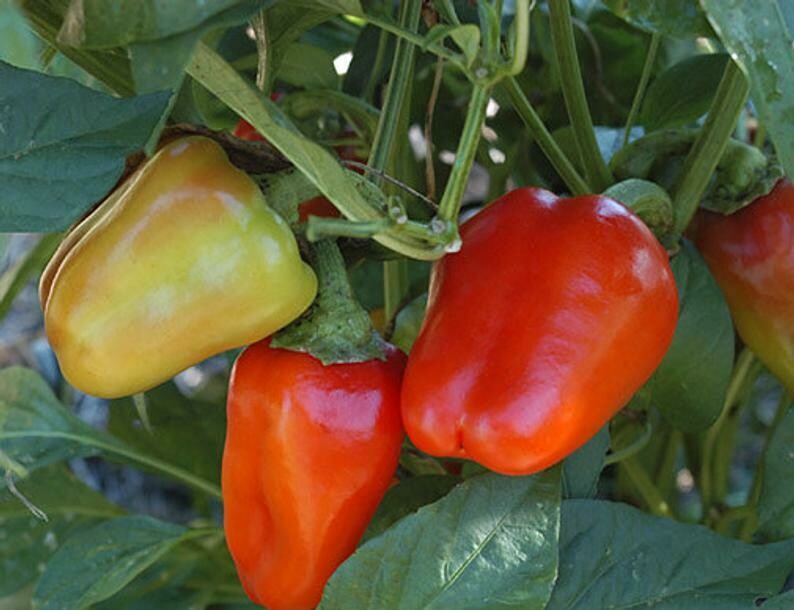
(310, 451)
(538, 331)
(751, 254)
(318, 206)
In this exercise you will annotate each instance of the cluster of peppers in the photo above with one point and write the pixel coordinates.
(553, 313)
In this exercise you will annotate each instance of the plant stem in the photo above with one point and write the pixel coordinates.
(449, 207)
(645, 487)
(751, 519)
(395, 273)
(170, 470)
(430, 167)
(395, 284)
(336, 328)
(598, 175)
(383, 142)
(650, 60)
(741, 374)
(633, 447)
(377, 66)
(573, 180)
(707, 150)
(418, 41)
(521, 49)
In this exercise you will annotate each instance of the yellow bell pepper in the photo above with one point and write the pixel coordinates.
(183, 261)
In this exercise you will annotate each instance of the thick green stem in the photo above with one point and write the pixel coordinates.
(573, 180)
(395, 273)
(707, 151)
(383, 143)
(598, 175)
(335, 328)
(647, 69)
(521, 33)
(464, 157)
(377, 66)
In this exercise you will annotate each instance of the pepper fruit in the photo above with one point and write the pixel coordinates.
(310, 451)
(751, 255)
(183, 261)
(554, 312)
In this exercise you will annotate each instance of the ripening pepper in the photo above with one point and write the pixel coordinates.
(751, 255)
(183, 261)
(554, 312)
(310, 452)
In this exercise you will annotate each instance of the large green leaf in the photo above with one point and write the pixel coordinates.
(676, 18)
(160, 64)
(28, 542)
(188, 432)
(667, 104)
(490, 544)
(63, 146)
(755, 33)
(99, 562)
(35, 428)
(689, 386)
(97, 24)
(785, 601)
(581, 469)
(776, 505)
(407, 497)
(615, 556)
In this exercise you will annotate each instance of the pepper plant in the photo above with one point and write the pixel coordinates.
(419, 304)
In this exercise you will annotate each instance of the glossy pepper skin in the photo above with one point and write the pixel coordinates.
(554, 312)
(751, 255)
(310, 451)
(183, 261)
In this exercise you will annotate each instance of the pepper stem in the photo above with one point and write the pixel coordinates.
(336, 328)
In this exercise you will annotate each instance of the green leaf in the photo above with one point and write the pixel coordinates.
(63, 146)
(407, 497)
(669, 104)
(343, 7)
(97, 24)
(185, 431)
(490, 544)
(756, 35)
(615, 556)
(15, 278)
(306, 66)
(785, 601)
(18, 44)
(689, 386)
(35, 428)
(28, 542)
(159, 64)
(99, 562)
(776, 504)
(743, 173)
(466, 37)
(675, 18)
(301, 104)
(408, 323)
(111, 67)
(581, 469)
